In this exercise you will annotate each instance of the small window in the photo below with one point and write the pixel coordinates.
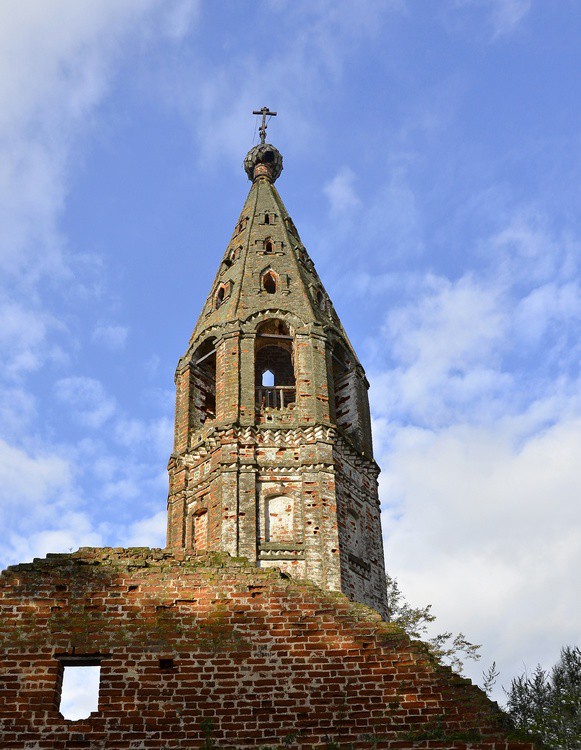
(267, 218)
(269, 282)
(79, 694)
(268, 379)
(232, 256)
(220, 296)
(268, 246)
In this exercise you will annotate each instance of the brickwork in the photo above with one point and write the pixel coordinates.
(205, 649)
(276, 468)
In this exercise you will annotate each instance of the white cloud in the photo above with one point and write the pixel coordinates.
(480, 454)
(503, 15)
(111, 336)
(485, 526)
(89, 402)
(29, 479)
(147, 532)
(23, 334)
(341, 192)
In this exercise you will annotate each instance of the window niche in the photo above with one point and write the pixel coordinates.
(200, 530)
(273, 358)
(279, 519)
(232, 256)
(269, 282)
(203, 375)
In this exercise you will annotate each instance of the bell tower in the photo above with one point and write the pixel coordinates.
(273, 456)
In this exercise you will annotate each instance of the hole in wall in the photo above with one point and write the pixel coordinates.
(166, 663)
(80, 690)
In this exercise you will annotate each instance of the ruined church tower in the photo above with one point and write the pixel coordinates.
(273, 455)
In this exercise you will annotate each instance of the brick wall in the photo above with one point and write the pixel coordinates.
(206, 651)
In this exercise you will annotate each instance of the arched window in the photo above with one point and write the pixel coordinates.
(203, 374)
(320, 299)
(220, 294)
(267, 218)
(344, 401)
(268, 246)
(232, 256)
(279, 519)
(269, 282)
(274, 355)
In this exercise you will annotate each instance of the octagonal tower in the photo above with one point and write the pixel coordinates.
(273, 455)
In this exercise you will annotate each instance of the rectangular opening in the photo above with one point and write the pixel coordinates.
(79, 682)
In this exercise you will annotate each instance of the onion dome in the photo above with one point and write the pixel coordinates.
(263, 160)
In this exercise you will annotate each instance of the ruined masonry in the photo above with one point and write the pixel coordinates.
(263, 622)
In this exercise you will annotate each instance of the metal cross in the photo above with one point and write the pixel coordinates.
(265, 112)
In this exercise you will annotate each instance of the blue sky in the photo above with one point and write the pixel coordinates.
(432, 161)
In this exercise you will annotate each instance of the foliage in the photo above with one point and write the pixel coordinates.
(547, 705)
(451, 649)
(489, 677)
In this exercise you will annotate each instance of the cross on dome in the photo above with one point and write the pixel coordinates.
(265, 112)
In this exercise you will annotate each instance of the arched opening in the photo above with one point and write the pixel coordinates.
(343, 388)
(269, 282)
(220, 294)
(279, 519)
(232, 256)
(204, 382)
(274, 355)
(268, 246)
(267, 218)
(320, 299)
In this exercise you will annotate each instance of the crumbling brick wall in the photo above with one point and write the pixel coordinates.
(207, 649)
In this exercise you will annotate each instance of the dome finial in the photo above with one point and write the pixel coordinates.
(263, 160)
(265, 112)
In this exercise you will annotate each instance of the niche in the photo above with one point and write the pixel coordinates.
(200, 530)
(279, 519)
(269, 280)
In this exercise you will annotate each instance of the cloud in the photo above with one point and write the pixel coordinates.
(477, 422)
(148, 532)
(89, 402)
(503, 15)
(341, 192)
(111, 336)
(496, 514)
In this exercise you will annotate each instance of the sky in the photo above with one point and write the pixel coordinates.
(432, 156)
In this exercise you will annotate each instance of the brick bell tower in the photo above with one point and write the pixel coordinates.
(273, 456)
